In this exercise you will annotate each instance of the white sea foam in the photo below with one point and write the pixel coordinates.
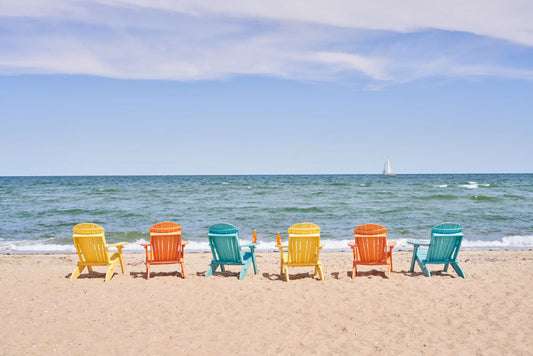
(506, 242)
(442, 186)
(470, 185)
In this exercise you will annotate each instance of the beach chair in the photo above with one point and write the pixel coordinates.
(165, 246)
(226, 250)
(303, 249)
(92, 250)
(370, 247)
(443, 248)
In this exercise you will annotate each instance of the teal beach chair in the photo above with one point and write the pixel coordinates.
(442, 249)
(224, 243)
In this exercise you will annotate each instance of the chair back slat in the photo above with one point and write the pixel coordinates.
(304, 242)
(224, 242)
(445, 242)
(89, 240)
(371, 243)
(165, 241)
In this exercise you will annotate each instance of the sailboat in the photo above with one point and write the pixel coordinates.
(387, 170)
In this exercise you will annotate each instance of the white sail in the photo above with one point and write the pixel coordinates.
(387, 170)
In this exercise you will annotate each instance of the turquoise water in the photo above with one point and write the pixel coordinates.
(37, 213)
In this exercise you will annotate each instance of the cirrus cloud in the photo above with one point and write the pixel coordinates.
(370, 42)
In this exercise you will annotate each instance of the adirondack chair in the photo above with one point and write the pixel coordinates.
(443, 248)
(165, 246)
(224, 243)
(89, 240)
(370, 247)
(303, 249)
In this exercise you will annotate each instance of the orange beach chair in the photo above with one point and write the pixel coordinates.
(370, 247)
(165, 246)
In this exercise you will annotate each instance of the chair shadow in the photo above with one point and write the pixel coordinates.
(221, 274)
(156, 274)
(371, 273)
(336, 275)
(292, 277)
(90, 275)
(433, 274)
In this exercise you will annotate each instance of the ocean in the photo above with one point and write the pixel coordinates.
(37, 213)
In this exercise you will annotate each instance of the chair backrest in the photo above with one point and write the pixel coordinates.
(445, 242)
(304, 240)
(89, 240)
(224, 242)
(165, 241)
(371, 242)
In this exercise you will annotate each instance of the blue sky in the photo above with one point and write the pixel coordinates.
(265, 87)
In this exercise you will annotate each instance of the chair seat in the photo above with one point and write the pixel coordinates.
(422, 255)
(114, 256)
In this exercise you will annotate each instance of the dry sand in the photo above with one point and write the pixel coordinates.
(490, 313)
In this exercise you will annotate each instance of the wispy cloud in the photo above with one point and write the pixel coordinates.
(376, 42)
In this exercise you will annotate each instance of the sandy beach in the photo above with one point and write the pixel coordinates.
(489, 313)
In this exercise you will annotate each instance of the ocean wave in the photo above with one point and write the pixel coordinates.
(439, 197)
(484, 198)
(514, 197)
(27, 246)
(470, 185)
(312, 209)
(473, 185)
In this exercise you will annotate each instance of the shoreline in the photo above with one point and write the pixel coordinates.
(489, 312)
(324, 250)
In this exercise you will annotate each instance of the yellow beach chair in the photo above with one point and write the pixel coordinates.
(303, 249)
(92, 250)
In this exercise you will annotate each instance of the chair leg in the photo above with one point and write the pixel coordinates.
(212, 268)
(458, 269)
(354, 270)
(122, 266)
(424, 268)
(320, 272)
(90, 269)
(412, 268)
(77, 271)
(147, 271)
(286, 273)
(183, 270)
(111, 270)
(244, 269)
(254, 263)
(446, 267)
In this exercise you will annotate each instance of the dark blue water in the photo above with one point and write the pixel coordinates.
(38, 213)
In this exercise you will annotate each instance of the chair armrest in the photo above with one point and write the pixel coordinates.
(351, 244)
(146, 246)
(251, 245)
(418, 243)
(183, 243)
(118, 245)
(281, 247)
(391, 244)
(320, 246)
